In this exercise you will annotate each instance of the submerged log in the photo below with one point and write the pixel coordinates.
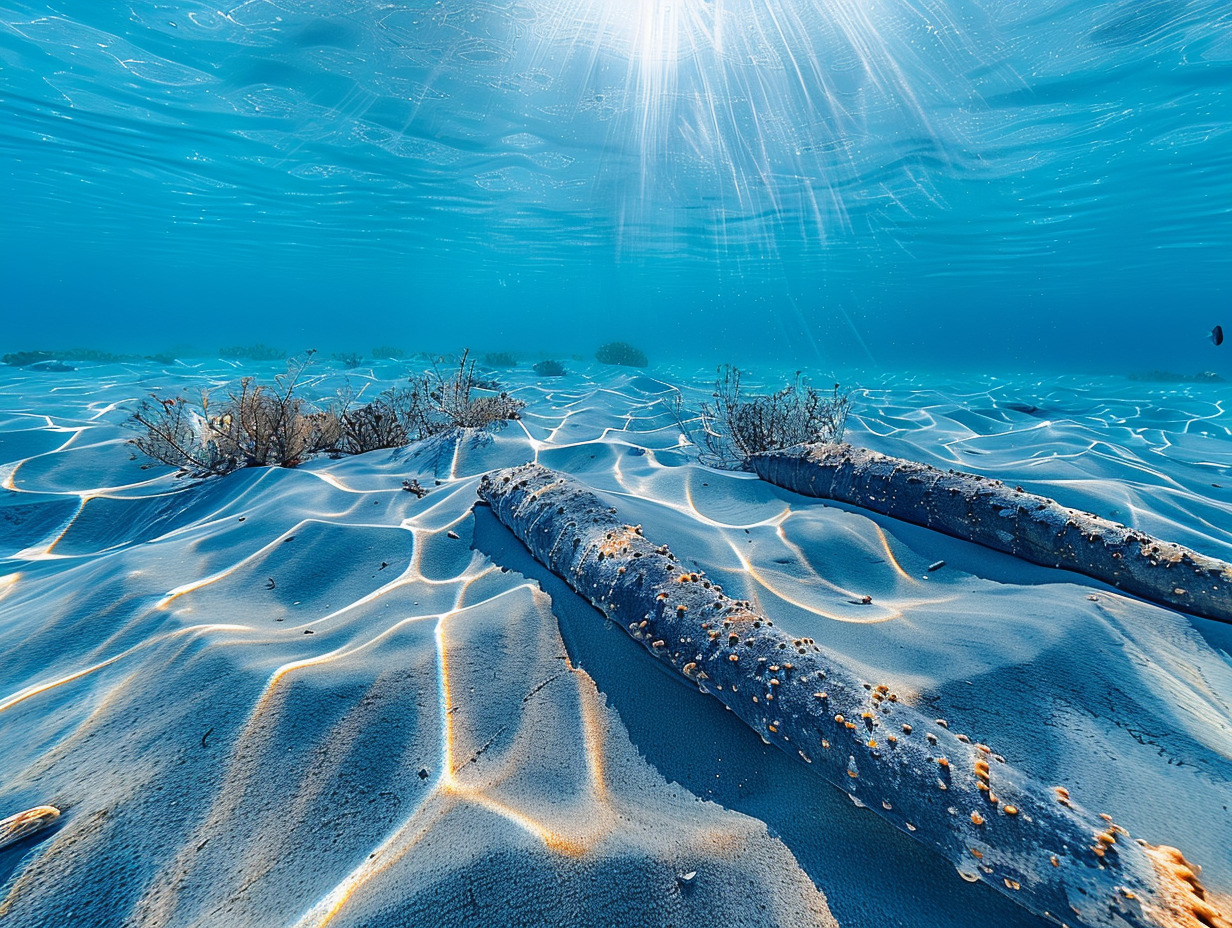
(987, 512)
(958, 797)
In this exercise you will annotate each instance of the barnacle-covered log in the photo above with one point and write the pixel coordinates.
(1034, 528)
(957, 796)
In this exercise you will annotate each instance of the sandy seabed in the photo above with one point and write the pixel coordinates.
(307, 697)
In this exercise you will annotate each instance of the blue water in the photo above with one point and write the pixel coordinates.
(1043, 184)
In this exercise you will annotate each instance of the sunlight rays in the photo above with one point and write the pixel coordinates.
(762, 106)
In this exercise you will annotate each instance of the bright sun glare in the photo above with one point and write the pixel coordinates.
(771, 99)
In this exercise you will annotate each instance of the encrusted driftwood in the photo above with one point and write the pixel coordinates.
(23, 824)
(1034, 528)
(958, 797)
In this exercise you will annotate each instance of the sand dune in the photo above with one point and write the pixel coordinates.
(291, 697)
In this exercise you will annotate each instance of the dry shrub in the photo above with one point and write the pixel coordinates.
(435, 403)
(729, 431)
(254, 426)
(370, 427)
(271, 426)
(173, 432)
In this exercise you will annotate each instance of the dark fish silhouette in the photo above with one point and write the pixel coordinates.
(1217, 335)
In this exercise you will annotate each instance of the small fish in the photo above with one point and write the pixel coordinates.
(23, 824)
(1217, 335)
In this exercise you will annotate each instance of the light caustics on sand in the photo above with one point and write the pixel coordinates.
(956, 796)
(452, 787)
(454, 784)
(191, 631)
(8, 584)
(771, 581)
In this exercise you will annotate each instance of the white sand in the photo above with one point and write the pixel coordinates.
(217, 765)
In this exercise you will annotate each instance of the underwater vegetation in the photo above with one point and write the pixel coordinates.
(621, 353)
(389, 351)
(550, 369)
(499, 359)
(254, 426)
(735, 427)
(1171, 377)
(435, 403)
(348, 359)
(261, 425)
(257, 352)
(372, 426)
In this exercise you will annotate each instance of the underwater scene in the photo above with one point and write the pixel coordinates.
(616, 463)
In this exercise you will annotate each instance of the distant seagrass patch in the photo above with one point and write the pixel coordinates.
(621, 353)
